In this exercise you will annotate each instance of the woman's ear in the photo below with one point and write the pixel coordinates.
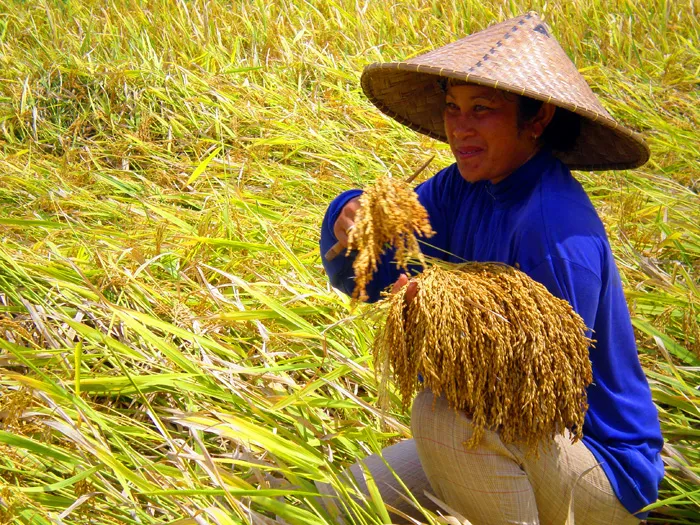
(540, 121)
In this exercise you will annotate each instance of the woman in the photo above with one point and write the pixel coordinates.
(511, 198)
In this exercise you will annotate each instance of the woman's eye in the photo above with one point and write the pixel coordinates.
(452, 106)
(480, 109)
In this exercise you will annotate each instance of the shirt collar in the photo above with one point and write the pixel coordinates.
(522, 180)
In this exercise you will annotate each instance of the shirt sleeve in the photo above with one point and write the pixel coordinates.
(564, 248)
(339, 270)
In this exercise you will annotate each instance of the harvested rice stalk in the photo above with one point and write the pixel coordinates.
(497, 345)
(390, 214)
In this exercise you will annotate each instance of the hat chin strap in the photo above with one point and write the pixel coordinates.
(538, 148)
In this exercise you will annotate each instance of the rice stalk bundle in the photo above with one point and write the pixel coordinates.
(389, 214)
(495, 344)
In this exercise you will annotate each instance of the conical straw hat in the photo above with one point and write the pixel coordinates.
(520, 56)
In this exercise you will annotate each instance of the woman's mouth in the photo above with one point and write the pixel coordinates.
(467, 152)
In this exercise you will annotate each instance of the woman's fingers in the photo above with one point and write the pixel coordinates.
(411, 291)
(342, 235)
(400, 283)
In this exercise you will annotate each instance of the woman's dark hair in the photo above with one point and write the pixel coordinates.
(562, 131)
(560, 134)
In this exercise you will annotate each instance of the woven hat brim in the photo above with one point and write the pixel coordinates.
(411, 94)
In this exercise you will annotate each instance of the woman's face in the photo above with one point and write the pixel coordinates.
(482, 130)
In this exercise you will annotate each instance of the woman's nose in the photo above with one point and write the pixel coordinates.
(463, 127)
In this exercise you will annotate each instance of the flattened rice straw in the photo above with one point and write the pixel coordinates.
(389, 214)
(495, 344)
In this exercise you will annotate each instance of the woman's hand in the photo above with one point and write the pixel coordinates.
(345, 221)
(341, 228)
(411, 291)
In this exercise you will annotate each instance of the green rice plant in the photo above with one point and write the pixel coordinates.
(170, 350)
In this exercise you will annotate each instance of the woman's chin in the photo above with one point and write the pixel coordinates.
(471, 175)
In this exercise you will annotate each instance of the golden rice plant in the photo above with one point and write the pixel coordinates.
(389, 214)
(495, 344)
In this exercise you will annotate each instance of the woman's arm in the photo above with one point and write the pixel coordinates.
(339, 270)
(431, 194)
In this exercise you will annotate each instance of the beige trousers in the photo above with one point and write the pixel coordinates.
(494, 483)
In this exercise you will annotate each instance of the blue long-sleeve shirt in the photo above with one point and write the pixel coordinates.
(540, 219)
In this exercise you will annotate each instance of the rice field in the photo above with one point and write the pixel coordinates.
(170, 349)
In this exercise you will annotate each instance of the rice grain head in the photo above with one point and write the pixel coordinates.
(495, 344)
(389, 215)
